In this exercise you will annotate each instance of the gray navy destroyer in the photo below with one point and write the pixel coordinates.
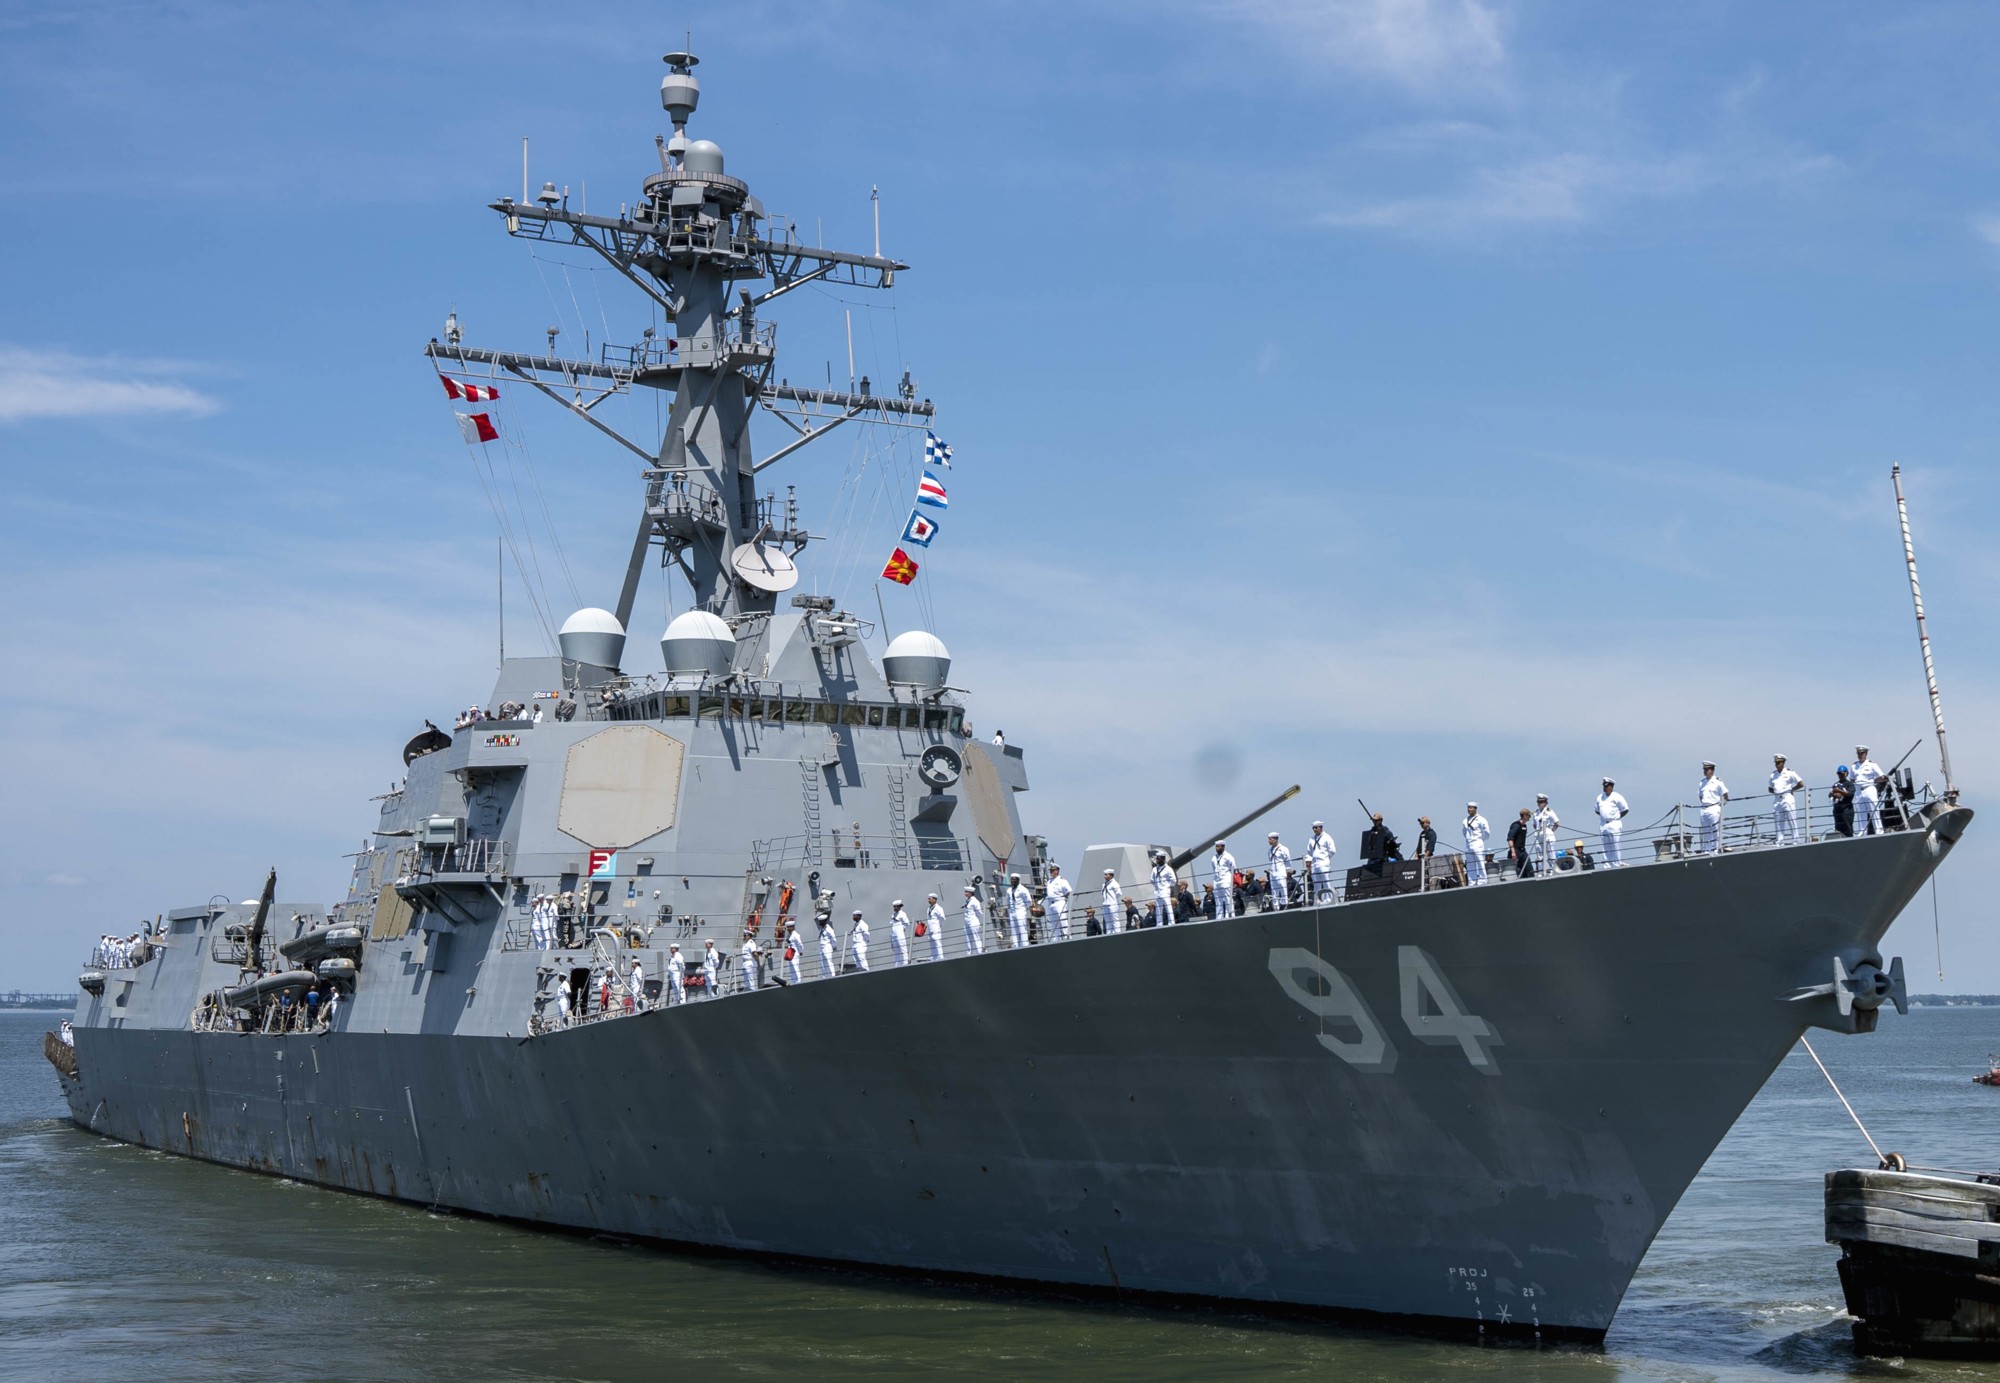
(1420, 1102)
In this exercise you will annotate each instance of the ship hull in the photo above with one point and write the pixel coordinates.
(1473, 1106)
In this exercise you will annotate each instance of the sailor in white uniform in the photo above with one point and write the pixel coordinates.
(750, 954)
(677, 970)
(1281, 873)
(1224, 865)
(1113, 904)
(899, 932)
(711, 970)
(1055, 898)
(1163, 891)
(975, 922)
(794, 944)
(562, 1004)
(857, 936)
(1712, 794)
(827, 959)
(1867, 775)
(1477, 830)
(934, 928)
(638, 986)
(1612, 809)
(1320, 851)
(1785, 808)
(1545, 823)
(1019, 901)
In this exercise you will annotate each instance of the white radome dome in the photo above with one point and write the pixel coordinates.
(698, 642)
(592, 636)
(917, 658)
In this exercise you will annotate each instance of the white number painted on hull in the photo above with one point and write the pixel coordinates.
(1431, 1010)
(1450, 1023)
(1370, 1050)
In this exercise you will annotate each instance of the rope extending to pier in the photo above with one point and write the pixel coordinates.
(1842, 1098)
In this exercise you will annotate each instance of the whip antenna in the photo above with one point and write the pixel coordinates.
(1923, 634)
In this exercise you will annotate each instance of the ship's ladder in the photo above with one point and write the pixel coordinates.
(899, 826)
(809, 788)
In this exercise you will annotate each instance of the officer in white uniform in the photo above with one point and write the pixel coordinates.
(1281, 873)
(899, 932)
(1055, 898)
(827, 959)
(1320, 851)
(934, 927)
(1163, 892)
(1785, 811)
(794, 943)
(1612, 809)
(562, 1004)
(1476, 830)
(975, 922)
(711, 969)
(1114, 904)
(638, 986)
(750, 954)
(857, 936)
(1019, 901)
(677, 971)
(1712, 793)
(1224, 865)
(1867, 775)
(1545, 823)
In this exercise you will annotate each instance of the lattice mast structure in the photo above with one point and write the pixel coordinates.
(695, 238)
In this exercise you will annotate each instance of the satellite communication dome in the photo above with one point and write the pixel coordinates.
(698, 642)
(703, 156)
(918, 659)
(592, 636)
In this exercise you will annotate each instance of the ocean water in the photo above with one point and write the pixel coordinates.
(116, 1263)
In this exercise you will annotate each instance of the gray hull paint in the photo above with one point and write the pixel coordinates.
(1150, 1111)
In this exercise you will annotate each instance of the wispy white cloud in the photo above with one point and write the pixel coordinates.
(61, 384)
(1424, 45)
(1986, 225)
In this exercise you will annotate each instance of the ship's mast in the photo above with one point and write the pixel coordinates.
(696, 237)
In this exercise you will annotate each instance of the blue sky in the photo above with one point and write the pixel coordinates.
(1415, 400)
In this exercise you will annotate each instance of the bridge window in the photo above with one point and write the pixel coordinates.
(850, 715)
(676, 706)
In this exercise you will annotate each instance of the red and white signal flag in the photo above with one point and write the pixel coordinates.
(477, 427)
(471, 393)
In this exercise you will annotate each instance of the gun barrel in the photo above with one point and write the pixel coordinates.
(1287, 795)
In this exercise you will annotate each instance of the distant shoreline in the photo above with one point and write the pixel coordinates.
(1955, 1000)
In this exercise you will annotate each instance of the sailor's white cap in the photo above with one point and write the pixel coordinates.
(1273, 835)
(1708, 763)
(1218, 845)
(857, 912)
(1319, 823)
(1861, 749)
(1472, 806)
(1780, 758)
(969, 888)
(1608, 779)
(931, 896)
(674, 946)
(1108, 871)
(1541, 797)
(1015, 877)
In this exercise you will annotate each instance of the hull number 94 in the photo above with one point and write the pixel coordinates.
(1432, 1012)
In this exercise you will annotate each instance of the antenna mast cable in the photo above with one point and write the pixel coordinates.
(1923, 635)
